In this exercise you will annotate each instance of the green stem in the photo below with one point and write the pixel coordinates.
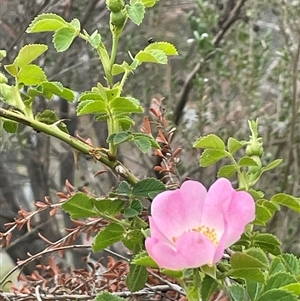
(124, 78)
(111, 130)
(54, 131)
(115, 42)
(193, 291)
(104, 58)
(241, 179)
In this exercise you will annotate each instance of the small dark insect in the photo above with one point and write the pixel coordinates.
(151, 40)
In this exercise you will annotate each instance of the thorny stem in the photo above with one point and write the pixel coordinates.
(54, 131)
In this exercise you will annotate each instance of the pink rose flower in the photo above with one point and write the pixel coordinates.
(191, 227)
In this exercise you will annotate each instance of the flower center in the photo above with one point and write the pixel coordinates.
(208, 232)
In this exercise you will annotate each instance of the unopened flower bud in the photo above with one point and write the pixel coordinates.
(255, 148)
(115, 5)
(117, 19)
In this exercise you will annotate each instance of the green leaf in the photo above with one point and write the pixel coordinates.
(208, 287)
(211, 156)
(46, 22)
(126, 105)
(271, 207)
(134, 241)
(277, 266)
(237, 292)
(58, 89)
(167, 48)
(117, 69)
(272, 165)
(101, 117)
(153, 142)
(226, 171)
(10, 126)
(123, 189)
(136, 12)
(108, 236)
(63, 38)
(79, 206)
(287, 200)
(125, 122)
(149, 3)
(267, 242)
(253, 288)
(29, 53)
(91, 107)
(291, 263)
(94, 39)
(31, 75)
(241, 260)
(50, 117)
(209, 270)
(247, 161)
(211, 142)
(234, 145)
(262, 215)
(109, 206)
(148, 187)
(91, 96)
(278, 295)
(136, 277)
(256, 194)
(248, 274)
(293, 288)
(144, 259)
(259, 254)
(152, 56)
(113, 93)
(246, 266)
(138, 223)
(143, 144)
(7, 92)
(75, 23)
(12, 70)
(135, 209)
(105, 296)
(279, 280)
(118, 138)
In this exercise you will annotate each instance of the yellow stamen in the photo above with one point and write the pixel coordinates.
(209, 233)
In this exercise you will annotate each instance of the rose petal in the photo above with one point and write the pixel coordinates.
(228, 212)
(158, 234)
(179, 210)
(193, 249)
(216, 201)
(241, 212)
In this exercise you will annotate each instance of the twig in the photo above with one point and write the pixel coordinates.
(173, 286)
(37, 255)
(295, 56)
(145, 291)
(188, 84)
(37, 293)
